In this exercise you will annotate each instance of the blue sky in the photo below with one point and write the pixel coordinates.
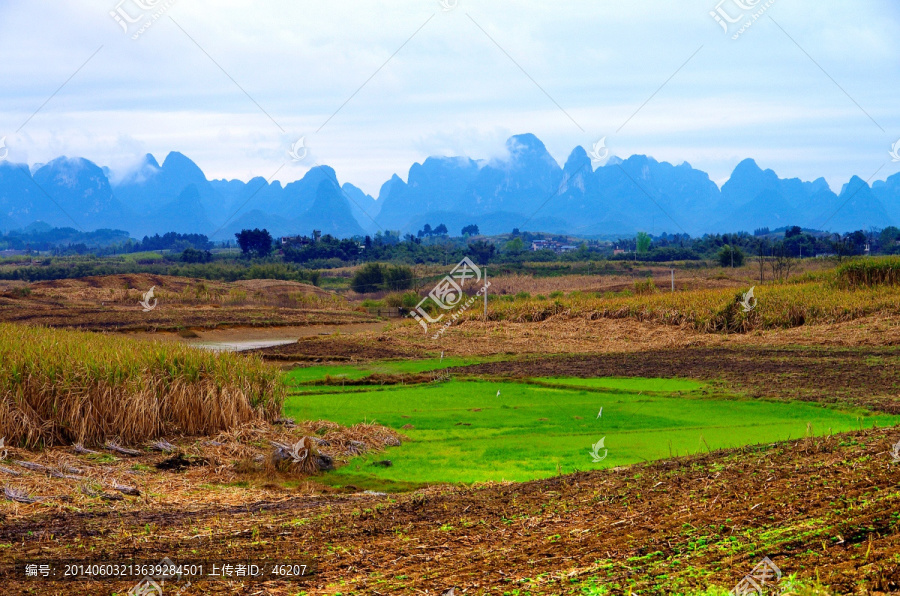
(809, 90)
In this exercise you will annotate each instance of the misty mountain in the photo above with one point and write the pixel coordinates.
(525, 189)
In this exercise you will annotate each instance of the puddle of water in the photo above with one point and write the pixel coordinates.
(239, 345)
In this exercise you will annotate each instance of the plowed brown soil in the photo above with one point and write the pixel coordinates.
(816, 507)
(112, 303)
(867, 376)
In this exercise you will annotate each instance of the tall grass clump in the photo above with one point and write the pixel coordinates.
(60, 387)
(869, 273)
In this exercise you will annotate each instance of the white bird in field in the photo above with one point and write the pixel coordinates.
(600, 413)
(498, 393)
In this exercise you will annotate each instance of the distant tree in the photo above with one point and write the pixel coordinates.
(762, 249)
(760, 231)
(516, 232)
(731, 256)
(398, 278)
(440, 230)
(888, 237)
(858, 240)
(793, 231)
(426, 231)
(515, 246)
(470, 230)
(643, 241)
(481, 251)
(255, 242)
(840, 247)
(781, 262)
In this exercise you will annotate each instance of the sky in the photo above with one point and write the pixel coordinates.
(809, 89)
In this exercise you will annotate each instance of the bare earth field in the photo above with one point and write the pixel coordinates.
(828, 506)
(823, 508)
(112, 303)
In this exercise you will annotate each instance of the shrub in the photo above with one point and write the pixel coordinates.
(398, 278)
(370, 278)
(375, 277)
(191, 255)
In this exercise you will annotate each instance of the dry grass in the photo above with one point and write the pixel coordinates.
(60, 387)
(711, 310)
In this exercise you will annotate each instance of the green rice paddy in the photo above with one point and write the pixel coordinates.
(463, 431)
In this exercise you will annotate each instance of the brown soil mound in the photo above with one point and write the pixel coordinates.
(276, 286)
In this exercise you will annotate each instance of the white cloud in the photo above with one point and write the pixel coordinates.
(450, 89)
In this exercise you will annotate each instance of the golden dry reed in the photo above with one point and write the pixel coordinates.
(60, 387)
(712, 310)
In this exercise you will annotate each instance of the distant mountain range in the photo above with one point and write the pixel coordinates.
(528, 190)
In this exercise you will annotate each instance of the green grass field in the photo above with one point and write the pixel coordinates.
(464, 432)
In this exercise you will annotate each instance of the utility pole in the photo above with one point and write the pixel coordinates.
(485, 294)
(673, 280)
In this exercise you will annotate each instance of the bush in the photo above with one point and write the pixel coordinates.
(398, 278)
(370, 278)
(375, 277)
(191, 255)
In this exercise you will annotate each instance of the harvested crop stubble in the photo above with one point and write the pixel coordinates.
(61, 387)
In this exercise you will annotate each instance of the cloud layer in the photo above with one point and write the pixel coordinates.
(374, 86)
